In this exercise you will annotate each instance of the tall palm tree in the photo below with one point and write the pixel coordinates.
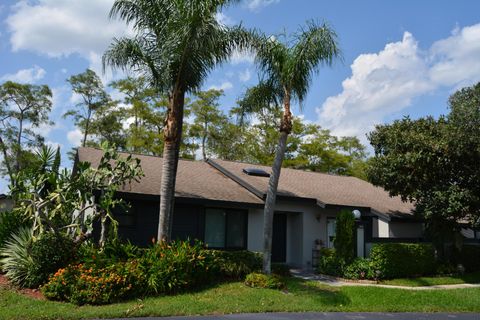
(287, 69)
(176, 44)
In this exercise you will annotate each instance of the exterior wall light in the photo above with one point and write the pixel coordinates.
(357, 214)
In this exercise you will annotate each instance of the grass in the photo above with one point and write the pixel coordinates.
(235, 297)
(433, 281)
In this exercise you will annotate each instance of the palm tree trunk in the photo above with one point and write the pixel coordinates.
(285, 129)
(171, 149)
(270, 203)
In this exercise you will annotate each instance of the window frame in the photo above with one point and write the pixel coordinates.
(227, 214)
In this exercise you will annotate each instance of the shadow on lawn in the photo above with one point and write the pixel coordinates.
(326, 296)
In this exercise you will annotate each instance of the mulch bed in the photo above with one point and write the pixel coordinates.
(31, 293)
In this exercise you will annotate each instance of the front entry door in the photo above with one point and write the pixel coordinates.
(279, 238)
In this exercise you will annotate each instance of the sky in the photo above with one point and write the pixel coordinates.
(400, 58)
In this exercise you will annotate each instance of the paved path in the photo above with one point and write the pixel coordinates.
(329, 316)
(338, 283)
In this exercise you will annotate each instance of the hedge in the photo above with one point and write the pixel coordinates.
(470, 258)
(397, 260)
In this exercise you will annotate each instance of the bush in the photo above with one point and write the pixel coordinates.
(260, 280)
(10, 222)
(50, 252)
(30, 263)
(81, 284)
(331, 265)
(359, 269)
(344, 236)
(397, 260)
(469, 257)
(113, 251)
(176, 266)
(17, 261)
(235, 264)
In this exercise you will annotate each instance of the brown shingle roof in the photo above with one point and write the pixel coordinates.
(195, 179)
(325, 188)
(199, 179)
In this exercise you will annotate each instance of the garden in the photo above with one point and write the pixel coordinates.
(402, 262)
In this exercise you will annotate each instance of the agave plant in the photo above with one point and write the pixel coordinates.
(16, 260)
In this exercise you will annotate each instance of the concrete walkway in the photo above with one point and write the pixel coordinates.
(328, 316)
(331, 281)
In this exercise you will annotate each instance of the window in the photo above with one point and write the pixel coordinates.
(331, 230)
(225, 228)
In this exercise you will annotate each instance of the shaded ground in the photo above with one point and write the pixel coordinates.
(331, 316)
(31, 293)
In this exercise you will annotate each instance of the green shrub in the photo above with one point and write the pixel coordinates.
(344, 236)
(398, 260)
(29, 263)
(469, 257)
(176, 266)
(359, 269)
(260, 280)
(113, 251)
(16, 260)
(50, 252)
(81, 284)
(10, 222)
(281, 269)
(235, 264)
(331, 265)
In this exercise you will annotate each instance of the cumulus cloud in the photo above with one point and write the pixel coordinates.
(257, 5)
(59, 28)
(457, 58)
(224, 86)
(386, 82)
(244, 76)
(75, 137)
(30, 75)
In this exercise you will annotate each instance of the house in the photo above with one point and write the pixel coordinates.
(6, 203)
(221, 203)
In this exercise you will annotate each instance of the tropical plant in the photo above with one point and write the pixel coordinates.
(176, 45)
(61, 201)
(16, 260)
(287, 69)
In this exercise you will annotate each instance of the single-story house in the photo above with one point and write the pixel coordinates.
(221, 203)
(6, 203)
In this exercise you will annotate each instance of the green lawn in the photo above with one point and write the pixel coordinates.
(235, 297)
(432, 281)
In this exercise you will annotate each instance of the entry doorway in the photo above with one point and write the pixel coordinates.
(279, 238)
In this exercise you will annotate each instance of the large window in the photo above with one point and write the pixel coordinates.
(225, 228)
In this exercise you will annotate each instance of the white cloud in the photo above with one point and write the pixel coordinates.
(30, 75)
(457, 58)
(224, 86)
(256, 5)
(244, 76)
(59, 28)
(386, 82)
(242, 57)
(75, 137)
(222, 18)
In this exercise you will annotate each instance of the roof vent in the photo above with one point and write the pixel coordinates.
(256, 172)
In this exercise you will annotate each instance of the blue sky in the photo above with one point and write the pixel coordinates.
(400, 57)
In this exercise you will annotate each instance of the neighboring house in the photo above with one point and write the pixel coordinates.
(6, 203)
(221, 203)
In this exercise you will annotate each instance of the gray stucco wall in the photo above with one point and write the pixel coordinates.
(305, 224)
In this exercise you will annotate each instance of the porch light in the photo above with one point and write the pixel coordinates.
(357, 214)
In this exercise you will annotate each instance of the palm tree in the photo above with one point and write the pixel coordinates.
(287, 69)
(176, 44)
